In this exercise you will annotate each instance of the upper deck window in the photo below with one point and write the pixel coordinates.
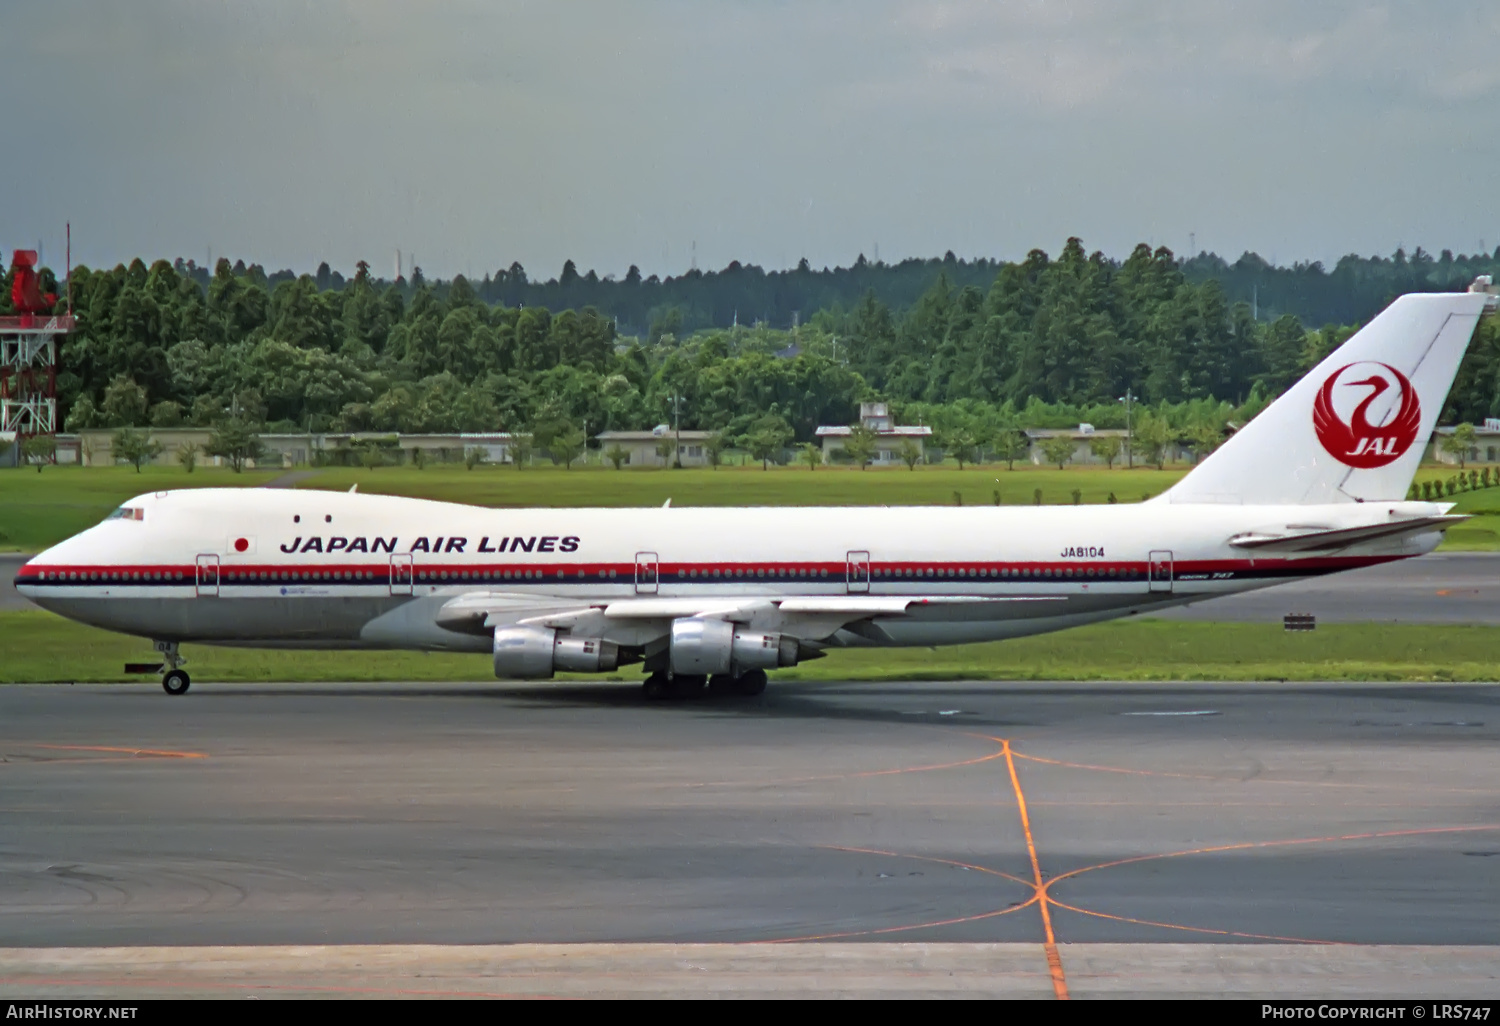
(127, 513)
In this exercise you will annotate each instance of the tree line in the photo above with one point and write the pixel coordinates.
(982, 347)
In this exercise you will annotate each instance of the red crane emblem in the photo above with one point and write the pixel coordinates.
(1356, 442)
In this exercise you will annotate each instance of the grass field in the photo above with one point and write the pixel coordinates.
(37, 510)
(40, 647)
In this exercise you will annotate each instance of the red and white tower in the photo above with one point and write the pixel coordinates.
(28, 354)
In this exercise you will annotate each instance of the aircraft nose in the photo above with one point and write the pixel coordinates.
(28, 573)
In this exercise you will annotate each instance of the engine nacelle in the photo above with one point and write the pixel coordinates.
(531, 653)
(703, 647)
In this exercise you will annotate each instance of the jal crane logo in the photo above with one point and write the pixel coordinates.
(1367, 415)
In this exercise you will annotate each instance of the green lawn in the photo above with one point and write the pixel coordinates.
(1482, 534)
(38, 646)
(751, 486)
(37, 510)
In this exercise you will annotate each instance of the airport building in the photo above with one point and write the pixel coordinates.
(1486, 447)
(95, 447)
(1083, 437)
(654, 448)
(888, 434)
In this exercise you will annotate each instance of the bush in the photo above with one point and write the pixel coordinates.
(1037, 496)
(1077, 497)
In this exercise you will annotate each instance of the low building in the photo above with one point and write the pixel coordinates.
(888, 434)
(95, 447)
(1486, 447)
(654, 448)
(12, 456)
(1083, 438)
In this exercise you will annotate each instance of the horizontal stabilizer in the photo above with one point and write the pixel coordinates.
(1317, 539)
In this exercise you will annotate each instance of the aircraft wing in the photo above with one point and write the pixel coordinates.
(639, 620)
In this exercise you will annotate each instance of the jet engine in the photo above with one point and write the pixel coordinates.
(529, 653)
(705, 647)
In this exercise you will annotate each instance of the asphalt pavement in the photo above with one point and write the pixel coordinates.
(1180, 816)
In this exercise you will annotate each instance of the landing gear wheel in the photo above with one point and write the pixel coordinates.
(176, 682)
(752, 682)
(655, 686)
(721, 684)
(688, 685)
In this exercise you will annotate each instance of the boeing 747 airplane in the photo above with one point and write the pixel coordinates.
(716, 597)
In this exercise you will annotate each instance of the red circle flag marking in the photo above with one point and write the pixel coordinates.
(1356, 442)
(240, 545)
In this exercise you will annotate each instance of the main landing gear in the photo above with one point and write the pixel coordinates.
(662, 685)
(175, 681)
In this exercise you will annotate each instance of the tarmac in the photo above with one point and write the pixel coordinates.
(838, 839)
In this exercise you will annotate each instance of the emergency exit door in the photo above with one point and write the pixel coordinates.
(645, 573)
(857, 572)
(401, 574)
(208, 575)
(1159, 572)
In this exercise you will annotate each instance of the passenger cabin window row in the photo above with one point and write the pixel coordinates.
(435, 576)
(113, 576)
(1024, 574)
(777, 573)
(300, 576)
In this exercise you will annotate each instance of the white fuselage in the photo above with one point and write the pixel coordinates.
(318, 569)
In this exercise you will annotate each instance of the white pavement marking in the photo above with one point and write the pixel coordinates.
(751, 970)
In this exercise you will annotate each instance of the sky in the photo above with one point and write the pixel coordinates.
(471, 133)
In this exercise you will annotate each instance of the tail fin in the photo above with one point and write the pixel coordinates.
(1355, 427)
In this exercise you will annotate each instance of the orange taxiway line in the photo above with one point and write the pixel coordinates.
(855, 775)
(1035, 897)
(1247, 845)
(159, 753)
(1054, 960)
(1192, 929)
(930, 858)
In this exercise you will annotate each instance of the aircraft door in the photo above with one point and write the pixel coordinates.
(857, 572)
(645, 573)
(208, 576)
(401, 574)
(1160, 570)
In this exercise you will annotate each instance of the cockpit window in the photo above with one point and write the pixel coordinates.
(127, 513)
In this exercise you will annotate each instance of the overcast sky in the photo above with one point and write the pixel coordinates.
(477, 133)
